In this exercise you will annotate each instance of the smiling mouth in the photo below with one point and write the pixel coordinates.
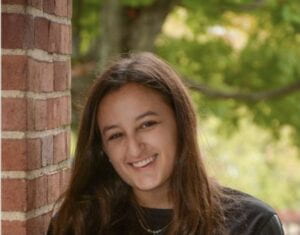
(145, 162)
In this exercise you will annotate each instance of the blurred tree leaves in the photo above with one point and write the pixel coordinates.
(271, 173)
(136, 3)
(266, 60)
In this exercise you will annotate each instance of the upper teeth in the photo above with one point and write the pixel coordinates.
(143, 162)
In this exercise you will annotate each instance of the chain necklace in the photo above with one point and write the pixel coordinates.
(147, 229)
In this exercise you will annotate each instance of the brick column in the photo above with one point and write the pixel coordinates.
(36, 111)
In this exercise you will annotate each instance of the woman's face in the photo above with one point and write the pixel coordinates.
(139, 134)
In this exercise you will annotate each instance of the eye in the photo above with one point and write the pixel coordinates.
(148, 124)
(115, 136)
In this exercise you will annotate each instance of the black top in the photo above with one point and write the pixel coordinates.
(245, 216)
(253, 217)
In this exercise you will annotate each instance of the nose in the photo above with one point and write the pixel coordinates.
(134, 146)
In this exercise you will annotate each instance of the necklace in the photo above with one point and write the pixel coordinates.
(147, 229)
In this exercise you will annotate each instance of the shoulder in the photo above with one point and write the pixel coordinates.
(248, 215)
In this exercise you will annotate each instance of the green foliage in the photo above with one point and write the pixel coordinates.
(268, 59)
(251, 161)
(137, 3)
(86, 27)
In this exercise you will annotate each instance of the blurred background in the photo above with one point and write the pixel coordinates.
(241, 61)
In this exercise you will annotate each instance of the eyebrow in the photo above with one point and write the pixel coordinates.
(148, 113)
(107, 128)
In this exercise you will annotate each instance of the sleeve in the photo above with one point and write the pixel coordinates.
(273, 226)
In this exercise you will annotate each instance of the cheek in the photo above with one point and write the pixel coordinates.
(116, 165)
(113, 154)
(166, 140)
(111, 151)
(170, 135)
(116, 162)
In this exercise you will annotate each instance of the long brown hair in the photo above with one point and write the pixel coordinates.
(97, 199)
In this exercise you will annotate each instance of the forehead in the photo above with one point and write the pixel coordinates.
(131, 99)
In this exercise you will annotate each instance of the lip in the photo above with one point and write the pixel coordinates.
(143, 163)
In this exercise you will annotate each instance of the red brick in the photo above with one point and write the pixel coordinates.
(13, 30)
(23, 154)
(66, 39)
(38, 225)
(14, 154)
(59, 147)
(29, 32)
(40, 76)
(48, 217)
(57, 112)
(13, 195)
(38, 114)
(70, 6)
(62, 73)
(41, 33)
(49, 6)
(34, 153)
(22, 114)
(14, 114)
(13, 227)
(61, 8)
(33, 226)
(14, 199)
(69, 111)
(41, 115)
(64, 105)
(49, 114)
(36, 3)
(30, 114)
(19, 2)
(14, 72)
(60, 38)
(51, 119)
(69, 84)
(17, 31)
(53, 187)
(37, 192)
(47, 150)
(54, 37)
(65, 176)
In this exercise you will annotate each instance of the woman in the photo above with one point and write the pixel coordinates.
(137, 166)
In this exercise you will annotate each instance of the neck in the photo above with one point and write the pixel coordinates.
(153, 199)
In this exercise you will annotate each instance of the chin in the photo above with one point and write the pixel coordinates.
(145, 187)
(149, 186)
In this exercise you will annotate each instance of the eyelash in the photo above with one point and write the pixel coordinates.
(115, 136)
(144, 125)
(148, 124)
